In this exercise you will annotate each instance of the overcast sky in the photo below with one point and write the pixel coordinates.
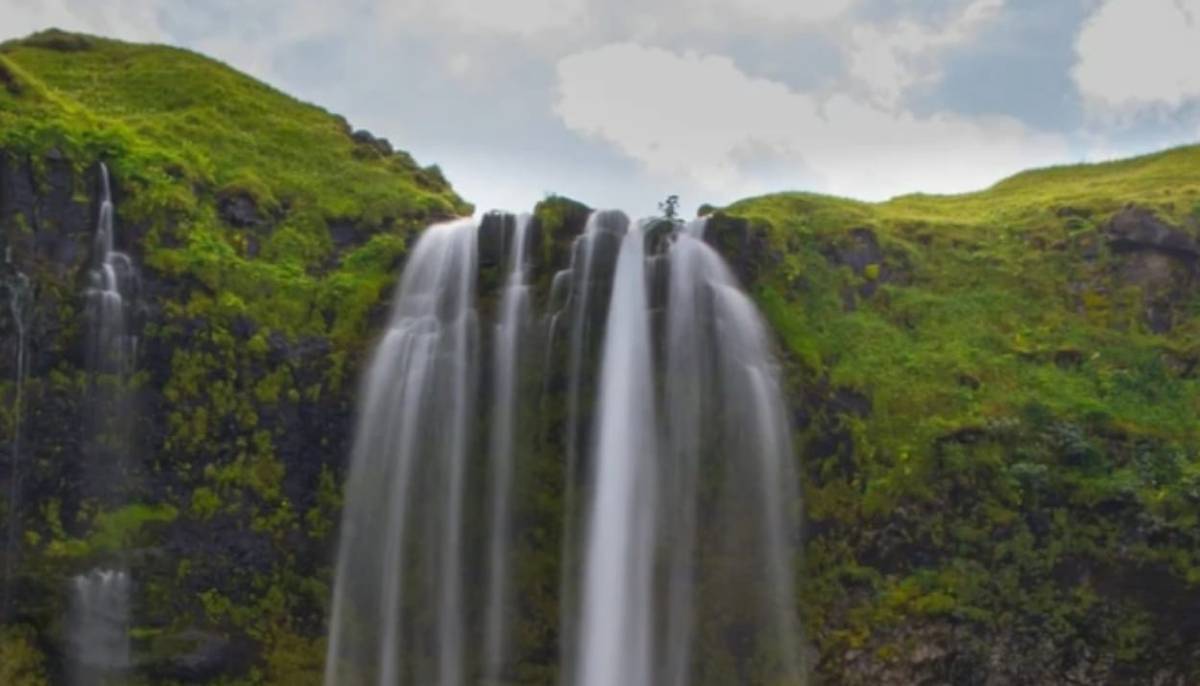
(620, 102)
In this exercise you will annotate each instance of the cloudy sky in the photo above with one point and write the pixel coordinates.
(620, 102)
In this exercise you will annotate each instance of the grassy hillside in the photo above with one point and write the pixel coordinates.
(1002, 406)
(185, 135)
(268, 234)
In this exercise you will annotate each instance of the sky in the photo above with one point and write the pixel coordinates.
(619, 103)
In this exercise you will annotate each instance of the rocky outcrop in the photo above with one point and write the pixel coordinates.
(1136, 228)
(744, 245)
(1160, 259)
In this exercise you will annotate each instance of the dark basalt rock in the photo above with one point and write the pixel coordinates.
(744, 246)
(239, 209)
(344, 234)
(1136, 228)
(494, 231)
(1163, 260)
(558, 237)
(9, 81)
(860, 250)
(367, 139)
(194, 655)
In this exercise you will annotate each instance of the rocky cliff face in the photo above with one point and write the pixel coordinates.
(231, 490)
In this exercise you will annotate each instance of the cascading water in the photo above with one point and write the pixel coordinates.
(398, 597)
(615, 635)
(99, 627)
(593, 258)
(677, 538)
(514, 320)
(112, 285)
(100, 599)
(20, 309)
(722, 414)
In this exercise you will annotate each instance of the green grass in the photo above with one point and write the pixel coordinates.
(1012, 378)
(182, 133)
(992, 287)
(251, 321)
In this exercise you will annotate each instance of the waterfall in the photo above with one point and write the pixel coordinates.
(514, 315)
(99, 628)
(19, 307)
(112, 285)
(614, 641)
(723, 413)
(398, 596)
(678, 536)
(100, 599)
(593, 258)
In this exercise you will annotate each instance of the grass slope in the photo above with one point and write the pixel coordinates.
(268, 234)
(183, 133)
(1007, 412)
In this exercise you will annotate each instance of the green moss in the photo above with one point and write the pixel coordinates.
(205, 503)
(21, 663)
(183, 135)
(111, 531)
(1017, 418)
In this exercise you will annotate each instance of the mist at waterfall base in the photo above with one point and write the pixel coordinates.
(636, 384)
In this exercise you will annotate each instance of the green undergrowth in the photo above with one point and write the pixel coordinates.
(1009, 413)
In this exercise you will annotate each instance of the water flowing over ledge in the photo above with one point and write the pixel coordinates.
(675, 466)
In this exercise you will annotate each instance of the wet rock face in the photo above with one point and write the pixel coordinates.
(1135, 229)
(42, 213)
(193, 655)
(47, 225)
(240, 210)
(1162, 260)
(745, 247)
(860, 250)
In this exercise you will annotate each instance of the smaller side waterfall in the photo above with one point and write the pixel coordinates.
(112, 285)
(100, 599)
(20, 308)
(99, 628)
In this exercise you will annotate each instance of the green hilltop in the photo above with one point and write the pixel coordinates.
(1000, 425)
(188, 135)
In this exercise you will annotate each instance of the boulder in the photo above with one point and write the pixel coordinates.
(239, 209)
(1136, 228)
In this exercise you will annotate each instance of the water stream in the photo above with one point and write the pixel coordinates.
(677, 543)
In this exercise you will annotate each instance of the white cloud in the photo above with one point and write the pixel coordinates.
(701, 118)
(792, 11)
(891, 59)
(1134, 54)
(136, 20)
(521, 18)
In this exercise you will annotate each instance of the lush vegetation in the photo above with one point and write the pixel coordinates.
(996, 402)
(187, 139)
(269, 233)
(1001, 441)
